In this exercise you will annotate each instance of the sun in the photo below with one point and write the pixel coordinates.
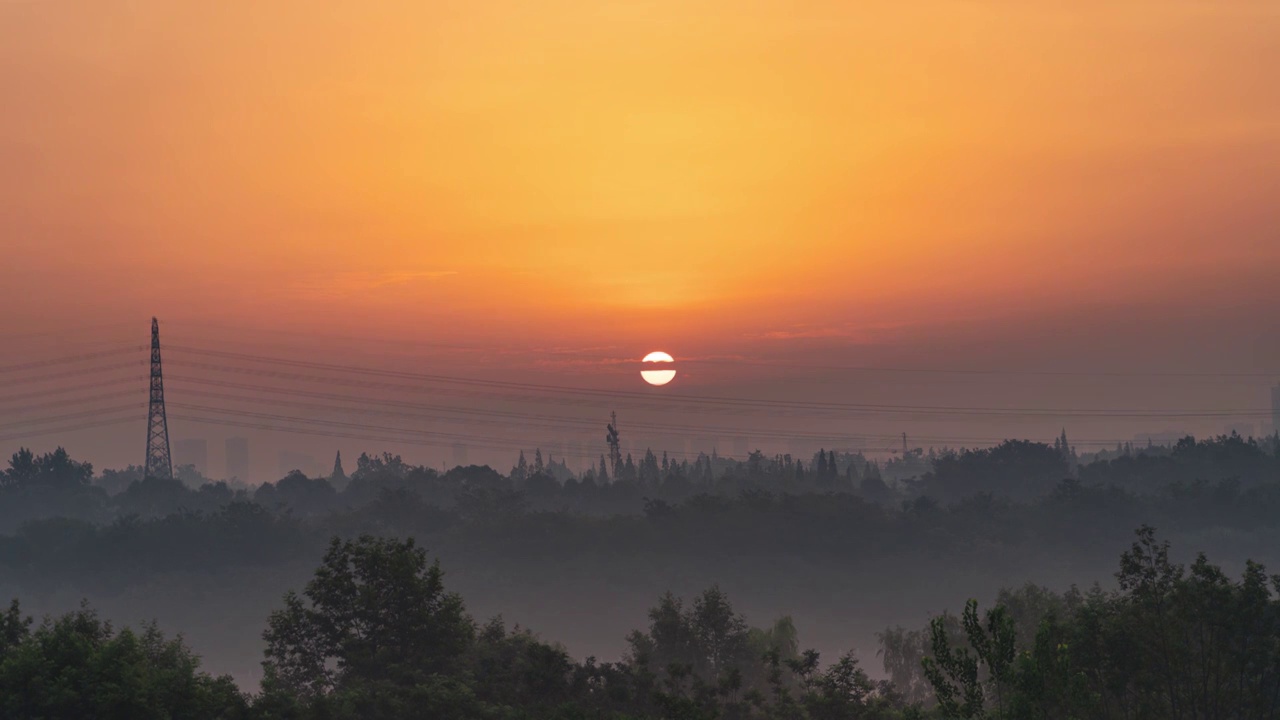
(658, 377)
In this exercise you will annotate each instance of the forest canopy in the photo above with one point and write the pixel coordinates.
(375, 631)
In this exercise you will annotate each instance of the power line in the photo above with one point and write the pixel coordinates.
(505, 419)
(983, 371)
(869, 408)
(340, 424)
(239, 331)
(76, 373)
(65, 389)
(822, 410)
(729, 361)
(70, 359)
(541, 393)
(73, 416)
(582, 423)
(68, 401)
(486, 443)
(68, 428)
(498, 444)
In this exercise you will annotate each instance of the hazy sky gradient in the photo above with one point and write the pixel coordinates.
(982, 184)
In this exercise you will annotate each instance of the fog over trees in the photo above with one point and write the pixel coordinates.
(948, 583)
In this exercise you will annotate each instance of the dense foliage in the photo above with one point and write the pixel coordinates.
(1170, 642)
(78, 666)
(62, 527)
(1233, 472)
(376, 633)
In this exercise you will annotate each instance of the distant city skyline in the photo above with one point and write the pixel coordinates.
(1275, 408)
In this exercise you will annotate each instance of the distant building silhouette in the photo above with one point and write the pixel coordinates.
(459, 454)
(194, 452)
(338, 478)
(1275, 408)
(237, 459)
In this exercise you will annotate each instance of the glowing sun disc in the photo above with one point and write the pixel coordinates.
(658, 377)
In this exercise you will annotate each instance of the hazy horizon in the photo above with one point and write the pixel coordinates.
(487, 190)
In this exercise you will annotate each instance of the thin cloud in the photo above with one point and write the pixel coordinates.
(603, 364)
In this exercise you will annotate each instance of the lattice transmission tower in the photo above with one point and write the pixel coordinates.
(615, 446)
(159, 462)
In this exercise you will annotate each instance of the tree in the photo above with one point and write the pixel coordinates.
(541, 485)
(902, 651)
(516, 669)
(521, 471)
(54, 471)
(1016, 469)
(155, 497)
(116, 481)
(669, 641)
(373, 623)
(649, 474)
(721, 633)
(708, 639)
(843, 692)
(963, 679)
(1171, 642)
(78, 666)
(296, 491)
(189, 475)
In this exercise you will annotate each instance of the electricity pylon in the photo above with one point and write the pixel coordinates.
(159, 462)
(615, 447)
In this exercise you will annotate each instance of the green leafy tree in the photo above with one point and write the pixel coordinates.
(902, 653)
(516, 669)
(963, 679)
(1171, 642)
(78, 666)
(372, 625)
(721, 634)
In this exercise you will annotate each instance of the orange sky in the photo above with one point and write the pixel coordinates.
(695, 163)
(723, 173)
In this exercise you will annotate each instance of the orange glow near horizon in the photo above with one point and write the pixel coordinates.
(689, 167)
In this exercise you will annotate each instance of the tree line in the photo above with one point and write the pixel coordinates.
(155, 527)
(1226, 468)
(376, 634)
